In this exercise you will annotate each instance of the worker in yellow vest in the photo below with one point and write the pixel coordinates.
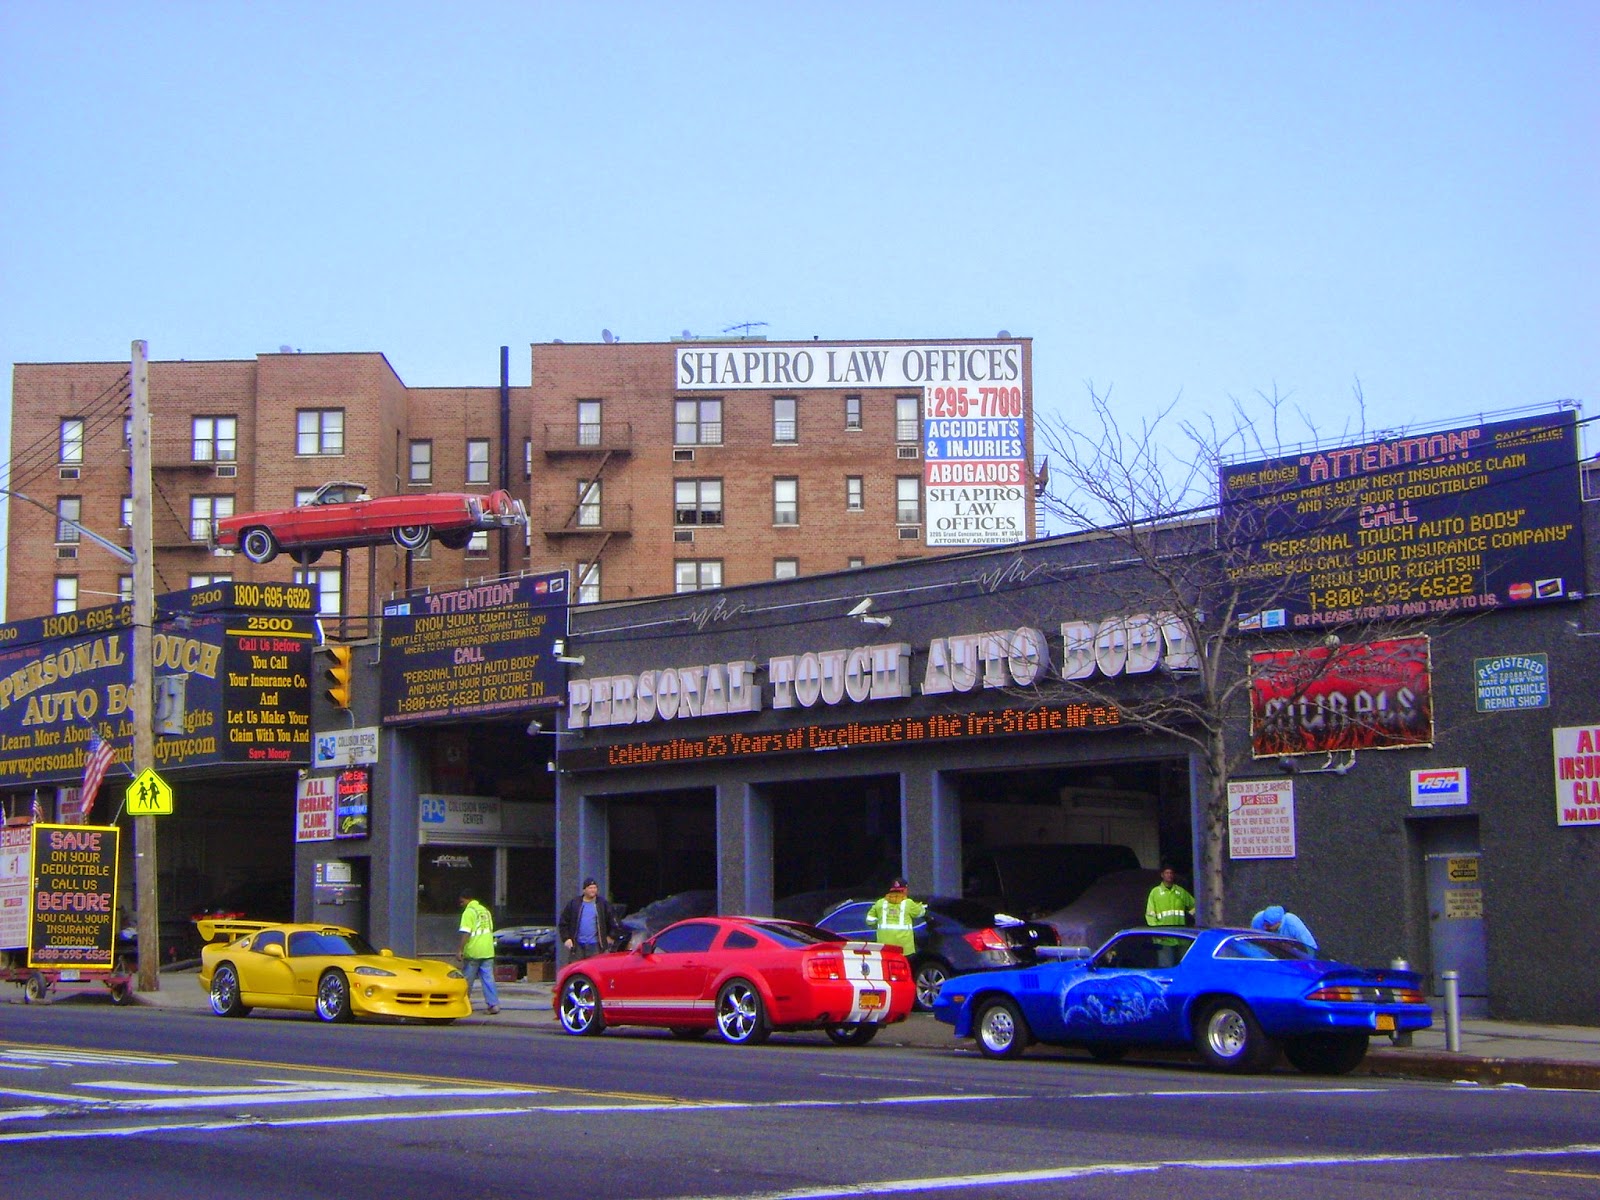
(895, 917)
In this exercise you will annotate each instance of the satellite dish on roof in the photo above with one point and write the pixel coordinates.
(1004, 333)
(687, 334)
(607, 336)
(286, 349)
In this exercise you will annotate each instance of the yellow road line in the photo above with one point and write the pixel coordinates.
(369, 1073)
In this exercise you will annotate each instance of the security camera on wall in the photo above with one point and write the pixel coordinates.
(862, 609)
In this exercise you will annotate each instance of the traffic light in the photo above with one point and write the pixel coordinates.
(339, 676)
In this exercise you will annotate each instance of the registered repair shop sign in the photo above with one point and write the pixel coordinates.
(1511, 682)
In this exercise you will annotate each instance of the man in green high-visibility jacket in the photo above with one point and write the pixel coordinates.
(895, 917)
(1168, 904)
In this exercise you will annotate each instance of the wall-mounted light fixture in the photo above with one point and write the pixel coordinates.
(1328, 767)
(559, 646)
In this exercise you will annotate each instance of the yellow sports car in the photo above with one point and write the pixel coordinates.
(324, 969)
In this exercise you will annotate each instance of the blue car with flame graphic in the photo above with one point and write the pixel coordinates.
(1238, 997)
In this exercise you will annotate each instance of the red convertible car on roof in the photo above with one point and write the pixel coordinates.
(342, 514)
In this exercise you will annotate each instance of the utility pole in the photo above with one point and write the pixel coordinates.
(143, 706)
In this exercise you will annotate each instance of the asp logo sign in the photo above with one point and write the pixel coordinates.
(1439, 785)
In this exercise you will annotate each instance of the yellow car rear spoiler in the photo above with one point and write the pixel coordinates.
(220, 929)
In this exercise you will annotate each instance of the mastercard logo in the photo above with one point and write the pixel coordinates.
(1521, 591)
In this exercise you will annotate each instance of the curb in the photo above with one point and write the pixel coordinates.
(1522, 1072)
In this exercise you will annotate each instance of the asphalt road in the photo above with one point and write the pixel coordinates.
(155, 1102)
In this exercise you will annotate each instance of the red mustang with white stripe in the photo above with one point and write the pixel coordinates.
(743, 977)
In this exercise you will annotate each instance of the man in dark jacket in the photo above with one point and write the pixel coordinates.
(585, 924)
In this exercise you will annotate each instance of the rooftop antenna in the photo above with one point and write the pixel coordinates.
(744, 327)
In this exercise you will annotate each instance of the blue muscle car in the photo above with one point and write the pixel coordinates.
(1237, 996)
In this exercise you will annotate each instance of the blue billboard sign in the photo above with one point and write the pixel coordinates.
(474, 651)
(1483, 517)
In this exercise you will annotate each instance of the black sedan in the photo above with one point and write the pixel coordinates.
(521, 944)
(956, 936)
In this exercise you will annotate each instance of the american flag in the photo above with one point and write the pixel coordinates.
(95, 766)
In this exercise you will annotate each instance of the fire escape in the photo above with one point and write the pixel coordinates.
(590, 521)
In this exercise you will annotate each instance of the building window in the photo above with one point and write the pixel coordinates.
(205, 509)
(127, 433)
(196, 581)
(905, 418)
(589, 503)
(67, 593)
(908, 500)
(785, 568)
(854, 493)
(855, 562)
(216, 439)
(318, 431)
(588, 422)
(69, 509)
(589, 584)
(330, 600)
(302, 496)
(697, 423)
(697, 502)
(477, 460)
(125, 589)
(421, 465)
(478, 544)
(852, 412)
(127, 512)
(527, 458)
(72, 441)
(786, 502)
(785, 425)
(696, 575)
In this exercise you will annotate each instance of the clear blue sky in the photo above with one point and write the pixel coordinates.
(1176, 201)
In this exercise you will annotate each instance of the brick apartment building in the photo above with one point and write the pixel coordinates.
(646, 468)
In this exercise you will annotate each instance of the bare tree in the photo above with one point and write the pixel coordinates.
(1170, 550)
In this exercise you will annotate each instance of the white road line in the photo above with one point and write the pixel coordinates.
(889, 1187)
(680, 1107)
(37, 1060)
(267, 1091)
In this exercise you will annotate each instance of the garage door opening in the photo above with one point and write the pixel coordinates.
(833, 840)
(1033, 841)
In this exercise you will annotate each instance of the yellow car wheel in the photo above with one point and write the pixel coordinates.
(225, 993)
(333, 996)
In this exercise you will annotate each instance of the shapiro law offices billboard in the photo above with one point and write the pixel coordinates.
(1486, 516)
(975, 406)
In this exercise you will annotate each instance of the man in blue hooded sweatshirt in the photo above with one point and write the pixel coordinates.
(1274, 919)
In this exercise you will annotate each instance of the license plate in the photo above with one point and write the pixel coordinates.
(69, 976)
(871, 999)
(1384, 1022)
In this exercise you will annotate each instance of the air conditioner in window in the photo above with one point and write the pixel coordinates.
(227, 470)
(69, 472)
(683, 456)
(905, 451)
(66, 552)
(683, 535)
(909, 533)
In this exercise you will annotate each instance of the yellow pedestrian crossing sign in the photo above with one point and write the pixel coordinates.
(148, 796)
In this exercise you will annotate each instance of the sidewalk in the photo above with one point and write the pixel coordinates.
(1492, 1052)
